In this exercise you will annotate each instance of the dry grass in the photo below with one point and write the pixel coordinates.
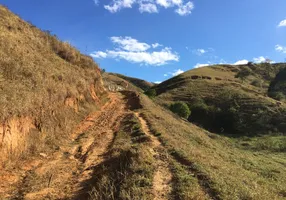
(128, 171)
(142, 84)
(38, 73)
(113, 81)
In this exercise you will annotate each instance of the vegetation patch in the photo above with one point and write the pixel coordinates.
(128, 172)
(151, 93)
(181, 109)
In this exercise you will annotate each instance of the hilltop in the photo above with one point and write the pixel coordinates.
(142, 84)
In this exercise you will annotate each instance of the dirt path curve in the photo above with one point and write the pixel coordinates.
(162, 178)
(66, 173)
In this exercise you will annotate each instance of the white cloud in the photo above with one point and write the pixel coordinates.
(169, 3)
(198, 65)
(148, 7)
(177, 72)
(130, 44)
(282, 23)
(164, 3)
(262, 59)
(150, 58)
(158, 82)
(280, 48)
(199, 52)
(259, 59)
(151, 6)
(177, 2)
(96, 2)
(118, 5)
(99, 54)
(174, 73)
(136, 52)
(241, 62)
(155, 45)
(186, 9)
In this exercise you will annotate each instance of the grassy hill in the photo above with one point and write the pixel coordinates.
(114, 82)
(45, 85)
(211, 166)
(228, 99)
(144, 85)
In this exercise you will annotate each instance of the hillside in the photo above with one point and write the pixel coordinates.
(46, 87)
(228, 99)
(144, 85)
(114, 83)
(277, 88)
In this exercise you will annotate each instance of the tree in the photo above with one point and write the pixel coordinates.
(102, 71)
(151, 93)
(181, 109)
(243, 73)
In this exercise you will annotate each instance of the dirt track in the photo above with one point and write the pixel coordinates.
(67, 173)
(162, 178)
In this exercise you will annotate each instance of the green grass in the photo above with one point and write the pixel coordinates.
(223, 170)
(263, 143)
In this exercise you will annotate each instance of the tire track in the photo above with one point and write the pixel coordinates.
(162, 179)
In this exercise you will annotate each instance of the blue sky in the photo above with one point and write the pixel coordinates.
(156, 39)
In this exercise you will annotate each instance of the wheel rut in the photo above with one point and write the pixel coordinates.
(162, 180)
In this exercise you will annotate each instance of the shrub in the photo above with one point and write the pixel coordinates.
(181, 109)
(151, 93)
(277, 95)
(257, 83)
(102, 71)
(243, 73)
(200, 113)
(250, 64)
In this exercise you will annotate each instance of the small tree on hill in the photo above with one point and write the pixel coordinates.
(151, 93)
(181, 109)
(243, 73)
(102, 71)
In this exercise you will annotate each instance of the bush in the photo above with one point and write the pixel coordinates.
(277, 95)
(243, 73)
(181, 109)
(151, 93)
(257, 83)
(102, 71)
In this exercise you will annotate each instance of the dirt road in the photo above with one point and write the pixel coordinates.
(65, 174)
